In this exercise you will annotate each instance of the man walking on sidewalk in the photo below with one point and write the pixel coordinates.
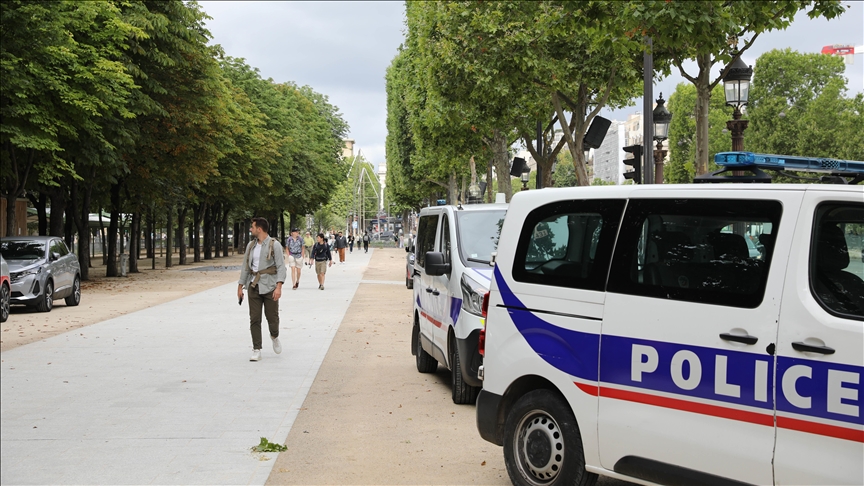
(323, 259)
(341, 243)
(263, 273)
(295, 256)
(365, 242)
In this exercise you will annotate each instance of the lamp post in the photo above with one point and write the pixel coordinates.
(736, 86)
(661, 117)
(524, 178)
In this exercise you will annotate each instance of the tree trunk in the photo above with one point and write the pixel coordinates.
(501, 156)
(170, 246)
(58, 208)
(102, 238)
(82, 222)
(134, 241)
(197, 213)
(452, 189)
(208, 227)
(217, 228)
(181, 227)
(40, 204)
(490, 188)
(703, 102)
(225, 231)
(148, 240)
(111, 269)
(282, 223)
(68, 227)
(16, 178)
(576, 151)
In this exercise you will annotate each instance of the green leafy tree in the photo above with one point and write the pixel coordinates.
(681, 167)
(712, 32)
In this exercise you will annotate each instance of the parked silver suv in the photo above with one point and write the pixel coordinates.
(41, 270)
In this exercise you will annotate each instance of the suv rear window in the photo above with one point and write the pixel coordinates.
(697, 250)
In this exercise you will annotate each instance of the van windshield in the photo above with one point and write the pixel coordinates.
(478, 235)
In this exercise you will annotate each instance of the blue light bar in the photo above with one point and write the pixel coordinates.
(788, 162)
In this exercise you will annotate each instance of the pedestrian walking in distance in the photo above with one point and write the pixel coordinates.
(294, 248)
(308, 243)
(350, 242)
(341, 244)
(366, 242)
(262, 273)
(321, 255)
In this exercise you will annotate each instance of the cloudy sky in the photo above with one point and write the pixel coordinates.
(342, 49)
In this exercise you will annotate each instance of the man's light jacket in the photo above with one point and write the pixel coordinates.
(267, 283)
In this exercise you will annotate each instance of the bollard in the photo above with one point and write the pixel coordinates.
(124, 264)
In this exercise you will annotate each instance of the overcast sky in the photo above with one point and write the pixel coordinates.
(342, 49)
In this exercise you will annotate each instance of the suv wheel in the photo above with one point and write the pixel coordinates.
(5, 295)
(542, 443)
(425, 362)
(46, 303)
(75, 297)
(462, 392)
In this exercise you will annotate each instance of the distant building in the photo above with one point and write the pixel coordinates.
(382, 181)
(609, 158)
(348, 149)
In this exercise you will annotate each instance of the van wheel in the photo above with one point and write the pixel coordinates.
(462, 392)
(75, 297)
(46, 303)
(542, 443)
(425, 362)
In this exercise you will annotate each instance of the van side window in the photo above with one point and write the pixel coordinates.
(696, 250)
(445, 238)
(568, 244)
(837, 259)
(426, 228)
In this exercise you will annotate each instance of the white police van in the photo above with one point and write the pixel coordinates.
(452, 273)
(632, 332)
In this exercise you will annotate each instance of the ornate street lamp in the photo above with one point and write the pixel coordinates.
(736, 86)
(662, 117)
(524, 178)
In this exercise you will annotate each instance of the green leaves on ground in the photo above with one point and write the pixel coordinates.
(267, 446)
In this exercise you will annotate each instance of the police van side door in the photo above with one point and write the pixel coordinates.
(820, 346)
(439, 289)
(427, 231)
(689, 327)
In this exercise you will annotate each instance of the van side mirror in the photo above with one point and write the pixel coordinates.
(435, 265)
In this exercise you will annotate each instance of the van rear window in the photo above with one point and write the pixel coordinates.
(696, 250)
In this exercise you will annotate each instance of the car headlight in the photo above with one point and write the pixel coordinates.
(472, 295)
(19, 275)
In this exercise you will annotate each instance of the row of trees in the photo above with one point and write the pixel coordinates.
(125, 106)
(475, 77)
(798, 106)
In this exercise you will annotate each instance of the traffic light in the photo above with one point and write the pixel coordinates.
(636, 161)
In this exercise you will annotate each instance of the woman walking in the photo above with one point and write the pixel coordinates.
(321, 255)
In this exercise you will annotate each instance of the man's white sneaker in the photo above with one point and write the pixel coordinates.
(256, 355)
(277, 346)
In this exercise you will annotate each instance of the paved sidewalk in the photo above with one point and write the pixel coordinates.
(167, 395)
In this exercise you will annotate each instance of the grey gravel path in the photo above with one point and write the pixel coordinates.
(166, 395)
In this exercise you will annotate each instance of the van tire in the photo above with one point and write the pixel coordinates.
(425, 362)
(543, 422)
(463, 393)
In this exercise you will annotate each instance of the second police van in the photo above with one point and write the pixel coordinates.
(678, 334)
(452, 273)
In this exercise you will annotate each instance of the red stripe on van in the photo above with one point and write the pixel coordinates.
(821, 429)
(856, 435)
(429, 318)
